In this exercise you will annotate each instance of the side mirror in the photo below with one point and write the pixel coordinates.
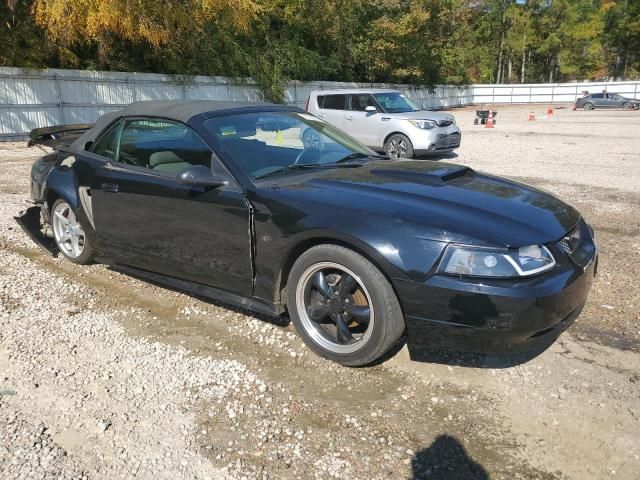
(88, 145)
(370, 109)
(199, 176)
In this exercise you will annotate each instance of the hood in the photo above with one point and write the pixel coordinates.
(446, 202)
(422, 115)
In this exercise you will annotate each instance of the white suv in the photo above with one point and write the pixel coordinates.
(386, 120)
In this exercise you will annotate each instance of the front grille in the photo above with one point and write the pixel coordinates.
(448, 141)
(445, 123)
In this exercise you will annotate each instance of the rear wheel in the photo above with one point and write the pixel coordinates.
(588, 106)
(342, 306)
(398, 146)
(69, 235)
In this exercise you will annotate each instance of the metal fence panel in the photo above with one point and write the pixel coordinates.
(31, 99)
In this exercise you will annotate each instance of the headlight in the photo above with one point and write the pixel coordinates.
(423, 124)
(490, 262)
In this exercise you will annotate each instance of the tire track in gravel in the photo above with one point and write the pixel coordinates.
(314, 414)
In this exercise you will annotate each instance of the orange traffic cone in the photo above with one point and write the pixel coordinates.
(550, 111)
(489, 123)
(532, 115)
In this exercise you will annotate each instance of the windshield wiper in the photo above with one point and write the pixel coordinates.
(303, 166)
(352, 156)
(294, 166)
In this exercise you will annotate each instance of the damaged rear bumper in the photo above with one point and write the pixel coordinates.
(29, 221)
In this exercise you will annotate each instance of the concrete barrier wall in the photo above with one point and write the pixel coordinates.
(32, 99)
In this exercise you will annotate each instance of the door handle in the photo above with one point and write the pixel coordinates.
(109, 187)
(349, 118)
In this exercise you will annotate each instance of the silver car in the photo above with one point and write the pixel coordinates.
(386, 120)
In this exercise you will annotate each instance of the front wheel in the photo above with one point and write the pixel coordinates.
(588, 106)
(398, 146)
(627, 106)
(342, 306)
(69, 235)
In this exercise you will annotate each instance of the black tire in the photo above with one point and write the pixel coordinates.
(386, 315)
(588, 106)
(398, 139)
(475, 121)
(88, 253)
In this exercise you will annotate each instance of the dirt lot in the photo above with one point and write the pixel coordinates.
(103, 376)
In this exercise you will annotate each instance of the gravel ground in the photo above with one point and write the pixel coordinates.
(103, 376)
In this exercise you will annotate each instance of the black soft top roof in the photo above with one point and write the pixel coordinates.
(184, 110)
(179, 110)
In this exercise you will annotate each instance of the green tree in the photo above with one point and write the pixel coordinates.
(420, 42)
(621, 38)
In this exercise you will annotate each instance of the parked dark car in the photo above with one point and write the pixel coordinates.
(607, 100)
(227, 201)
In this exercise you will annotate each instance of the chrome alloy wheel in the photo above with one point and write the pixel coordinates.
(397, 148)
(67, 231)
(335, 307)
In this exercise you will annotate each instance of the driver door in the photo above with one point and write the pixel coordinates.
(599, 100)
(364, 126)
(145, 218)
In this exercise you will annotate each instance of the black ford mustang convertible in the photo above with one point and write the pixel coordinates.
(271, 209)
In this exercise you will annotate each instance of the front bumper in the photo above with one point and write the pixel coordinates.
(436, 140)
(450, 313)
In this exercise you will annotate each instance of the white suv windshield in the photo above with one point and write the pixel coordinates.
(395, 102)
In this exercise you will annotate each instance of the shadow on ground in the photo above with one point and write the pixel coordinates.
(277, 320)
(446, 459)
(476, 360)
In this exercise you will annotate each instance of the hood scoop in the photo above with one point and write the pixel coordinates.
(436, 177)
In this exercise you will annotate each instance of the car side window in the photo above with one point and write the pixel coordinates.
(597, 95)
(332, 102)
(161, 145)
(361, 101)
(107, 144)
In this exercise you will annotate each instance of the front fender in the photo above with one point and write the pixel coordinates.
(397, 253)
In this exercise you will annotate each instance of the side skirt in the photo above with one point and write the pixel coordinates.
(251, 304)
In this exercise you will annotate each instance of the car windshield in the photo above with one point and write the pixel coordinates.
(269, 143)
(394, 102)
